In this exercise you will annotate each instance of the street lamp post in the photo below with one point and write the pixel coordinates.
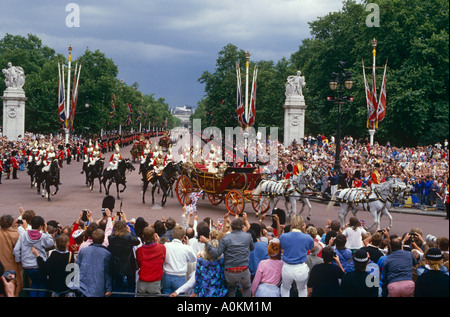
(87, 118)
(338, 80)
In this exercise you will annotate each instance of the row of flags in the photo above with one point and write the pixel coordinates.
(376, 107)
(129, 119)
(67, 108)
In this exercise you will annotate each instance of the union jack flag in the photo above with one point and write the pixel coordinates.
(371, 111)
(61, 98)
(129, 120)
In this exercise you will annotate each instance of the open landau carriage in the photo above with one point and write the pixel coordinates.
(234, 186)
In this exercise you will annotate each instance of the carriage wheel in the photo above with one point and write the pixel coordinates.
(234, 201)
(256, 203)
(215, 199)
(183, 188)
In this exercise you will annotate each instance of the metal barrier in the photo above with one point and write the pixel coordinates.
(113, 294)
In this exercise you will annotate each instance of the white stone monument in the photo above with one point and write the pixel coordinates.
(294, 110)
(14, 103)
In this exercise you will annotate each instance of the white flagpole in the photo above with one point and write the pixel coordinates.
(372, 129)
(68, 95)
(247, 56)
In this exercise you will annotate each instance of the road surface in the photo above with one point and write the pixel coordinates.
(74, 195)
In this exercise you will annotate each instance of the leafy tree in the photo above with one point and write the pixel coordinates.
(98, 82)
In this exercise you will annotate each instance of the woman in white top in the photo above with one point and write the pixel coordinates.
(354, 233)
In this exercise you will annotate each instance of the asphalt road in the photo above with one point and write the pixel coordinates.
(73, 196)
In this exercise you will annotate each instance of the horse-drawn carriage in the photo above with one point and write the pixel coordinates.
(136, 150)
(165, 142)
(234, 186)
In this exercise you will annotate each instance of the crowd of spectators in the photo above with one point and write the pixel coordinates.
(426, 168)
(113, 256)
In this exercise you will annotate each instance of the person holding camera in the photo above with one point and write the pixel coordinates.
(39, 238)
(178, 254)
(324, 278)
(235, 247)
(8, 239)
(7, 284)
(123, 261)
(295, 245)
(94, 265)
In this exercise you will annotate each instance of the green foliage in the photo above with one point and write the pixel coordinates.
(413, 38)
(98, 82)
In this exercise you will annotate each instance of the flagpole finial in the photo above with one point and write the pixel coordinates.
(374, 43)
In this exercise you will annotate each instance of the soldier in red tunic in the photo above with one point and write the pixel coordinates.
(14, 165)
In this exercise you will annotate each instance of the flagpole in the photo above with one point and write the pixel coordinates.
(372, 127)
(247, 57)
(68, 96)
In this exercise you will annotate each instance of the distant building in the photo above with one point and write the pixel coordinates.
(183, 113)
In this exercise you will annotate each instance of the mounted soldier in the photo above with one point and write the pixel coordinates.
(146, 156)
(48, 158)
(158, 163)
(96, 155)
(115, 158)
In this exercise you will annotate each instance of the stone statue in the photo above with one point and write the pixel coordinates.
(14, 76)
(294, 85)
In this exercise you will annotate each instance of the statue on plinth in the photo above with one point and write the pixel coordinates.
(14, 76)
(294, 85)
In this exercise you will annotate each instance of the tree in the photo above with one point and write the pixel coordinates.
(413, 36)
(98, 82)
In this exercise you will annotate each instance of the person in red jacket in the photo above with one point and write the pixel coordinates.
(15, 166)
(150, 258)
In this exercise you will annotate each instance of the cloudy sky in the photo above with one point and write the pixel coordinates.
(165, 45)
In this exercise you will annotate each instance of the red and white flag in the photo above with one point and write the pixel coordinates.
(381, 110)
(240, 104)
(252, 107)
(113, 106)
(73, 102)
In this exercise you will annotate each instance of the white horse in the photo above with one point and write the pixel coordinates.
(291, 190)
(377, 201)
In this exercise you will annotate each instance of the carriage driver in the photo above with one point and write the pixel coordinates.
(376, 175)
(49, 157)
(96, 155)
(115, 159)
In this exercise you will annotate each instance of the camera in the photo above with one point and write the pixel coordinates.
(104, 212)
(84, 217)
(8, 273)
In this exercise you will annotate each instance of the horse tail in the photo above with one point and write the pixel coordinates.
(258, 189)
(331, 203)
